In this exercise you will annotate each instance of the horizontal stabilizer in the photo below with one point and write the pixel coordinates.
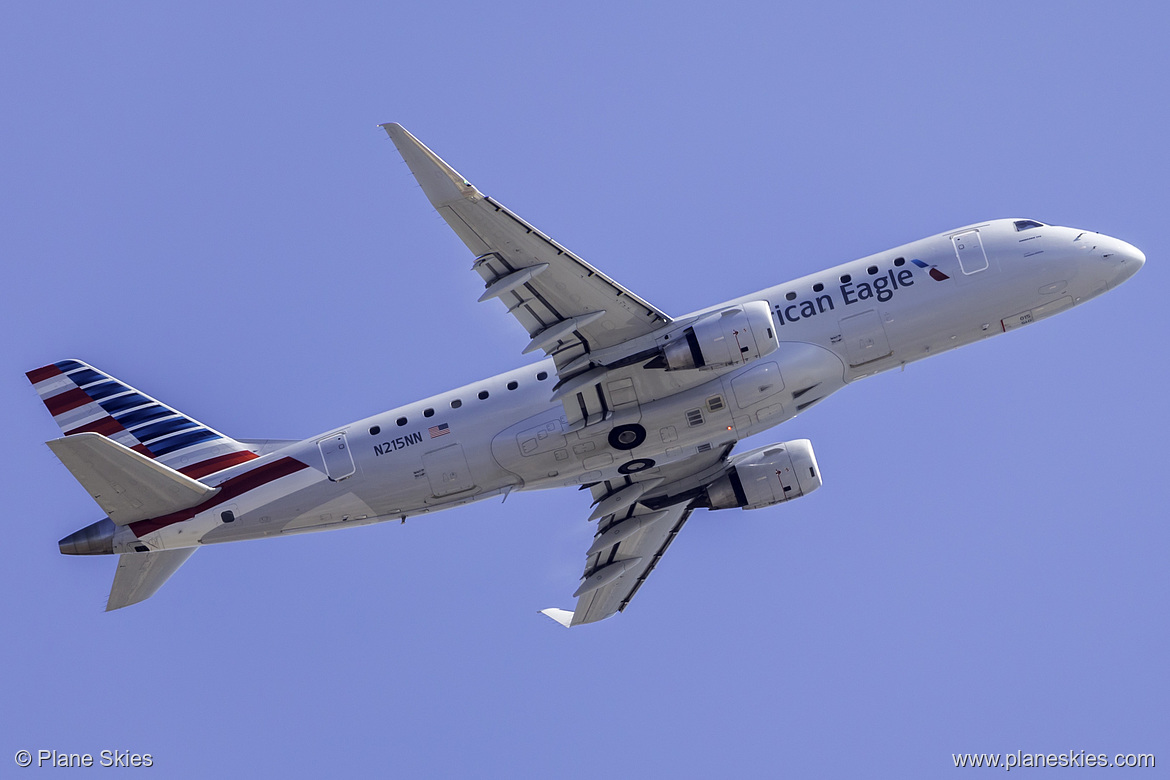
(127, 486)
(562, 616)
(140, 575)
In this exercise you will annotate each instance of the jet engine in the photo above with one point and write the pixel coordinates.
(767, 476)
(730, 337)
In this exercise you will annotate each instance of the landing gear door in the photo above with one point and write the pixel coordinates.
(969, 248)
(337, 457)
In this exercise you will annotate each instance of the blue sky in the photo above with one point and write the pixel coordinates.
(198, 201)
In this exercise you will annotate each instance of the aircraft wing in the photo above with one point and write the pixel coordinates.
(614, 573)
(568, 307)
(638, 519)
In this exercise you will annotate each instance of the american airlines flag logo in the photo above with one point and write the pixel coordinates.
(439, 430)
(935, 274)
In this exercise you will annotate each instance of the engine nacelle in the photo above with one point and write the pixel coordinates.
(767, 476)
(730, 337)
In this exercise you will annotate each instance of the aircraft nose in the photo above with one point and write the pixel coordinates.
(1128, 258)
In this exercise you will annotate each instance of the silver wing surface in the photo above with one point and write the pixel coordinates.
(127, 485)
(614, 573)
(140, 575)
(638, 519)
(568, 307)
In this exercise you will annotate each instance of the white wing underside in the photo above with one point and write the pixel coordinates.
(567, 306)
(127, 485)
(140, 575)
(631, 540)
(638, 554)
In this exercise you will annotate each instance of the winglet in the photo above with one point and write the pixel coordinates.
(562, 616)
(441, 183)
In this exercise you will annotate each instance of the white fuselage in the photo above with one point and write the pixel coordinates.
(508, 433)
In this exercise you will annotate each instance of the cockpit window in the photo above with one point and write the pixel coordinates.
(1027, 224)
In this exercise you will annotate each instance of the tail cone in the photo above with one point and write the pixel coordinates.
(95, 539)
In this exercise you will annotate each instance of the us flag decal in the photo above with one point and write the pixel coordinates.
(439, 430)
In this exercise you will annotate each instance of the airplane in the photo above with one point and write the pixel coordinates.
(641, 408)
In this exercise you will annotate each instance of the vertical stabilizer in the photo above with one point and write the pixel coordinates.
(85, 400)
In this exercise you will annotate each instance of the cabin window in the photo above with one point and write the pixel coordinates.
(818, 287)
(790, 296)
(513, 385)
(375, 430)
(543, 375)
(456, 404)
(428, 412)
(401, 421)
(846, 279)
(899, 261)
(872, 270)
(483, 394)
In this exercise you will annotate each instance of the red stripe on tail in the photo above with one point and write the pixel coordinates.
(106, 426)
(67, 401)
(41, 374)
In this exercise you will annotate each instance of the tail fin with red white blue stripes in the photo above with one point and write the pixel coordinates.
(83, 399)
